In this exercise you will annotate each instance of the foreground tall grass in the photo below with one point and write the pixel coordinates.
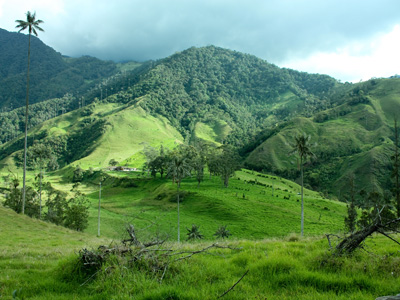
(280, 269)
(39, 261)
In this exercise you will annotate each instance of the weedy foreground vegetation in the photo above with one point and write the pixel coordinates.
(41, 261)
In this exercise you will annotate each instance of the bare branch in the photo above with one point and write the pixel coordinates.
(231, 288)
(388, 236)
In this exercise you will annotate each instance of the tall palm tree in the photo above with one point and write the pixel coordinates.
(32, 24)
(303, 149)
(179, 168)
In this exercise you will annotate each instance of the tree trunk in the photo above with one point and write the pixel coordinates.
(40, 193)
(302, 198)
(351, 243)
(226, 180)
(98, 213)
(26, 128)
(179, 233)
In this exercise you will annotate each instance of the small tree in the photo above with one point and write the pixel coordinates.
(77, 212)
(57, 205)
(42, 156)
(222, 232)
(350, 221)
(14, 199)
(225, 163)
(113, 162)
(78, 174)
(194, 233)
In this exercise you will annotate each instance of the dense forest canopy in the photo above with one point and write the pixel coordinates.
(52, 75)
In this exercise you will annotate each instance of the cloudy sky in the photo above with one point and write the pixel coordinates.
(351, 40)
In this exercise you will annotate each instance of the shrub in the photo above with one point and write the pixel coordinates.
(194, 233)
(222, 232)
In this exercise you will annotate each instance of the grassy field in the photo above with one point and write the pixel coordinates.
(38, 261)
(254, 206)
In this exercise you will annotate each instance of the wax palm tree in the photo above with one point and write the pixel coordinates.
(32, 24)
(179, 167)
(303, 149)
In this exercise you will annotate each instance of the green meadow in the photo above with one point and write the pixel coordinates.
(38, 261)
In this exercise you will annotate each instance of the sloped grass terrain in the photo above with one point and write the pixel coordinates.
(128, 131)
(39, 261)
(254, 206)
(30, 254)
(123, 133)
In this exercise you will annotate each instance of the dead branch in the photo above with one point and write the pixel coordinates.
(349, 244)
(232, 287)
(133, 239)
(191, 253)
(329, 240)
(388, 236)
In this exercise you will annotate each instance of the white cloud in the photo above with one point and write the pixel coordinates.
(377, 57)
(335, 37)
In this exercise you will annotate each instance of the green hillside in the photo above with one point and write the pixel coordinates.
(354, 137)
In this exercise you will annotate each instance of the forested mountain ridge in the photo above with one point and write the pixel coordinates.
(210, 85)
(224, 96)
(51, 74)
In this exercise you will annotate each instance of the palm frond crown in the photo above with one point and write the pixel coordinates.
(31, 23)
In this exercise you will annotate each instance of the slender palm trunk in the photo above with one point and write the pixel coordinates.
(396, 166)
(302, 199)
(26, 128)
(179, 233)
(98, 214)
(40, 193)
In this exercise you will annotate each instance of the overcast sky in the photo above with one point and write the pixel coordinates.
(351, 40)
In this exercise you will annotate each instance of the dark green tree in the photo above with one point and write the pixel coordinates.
(225, 163)
(350, 221)
(77, 212)
(78, 174)
(302, 148)
(222, 232)
(113, 162)
(57, 205)
(200, 161)
(42, 156)
(194, 233)
(14, 199)
(32, 24)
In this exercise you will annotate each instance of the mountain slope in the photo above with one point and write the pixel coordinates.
(51, 74)
(355, 137)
